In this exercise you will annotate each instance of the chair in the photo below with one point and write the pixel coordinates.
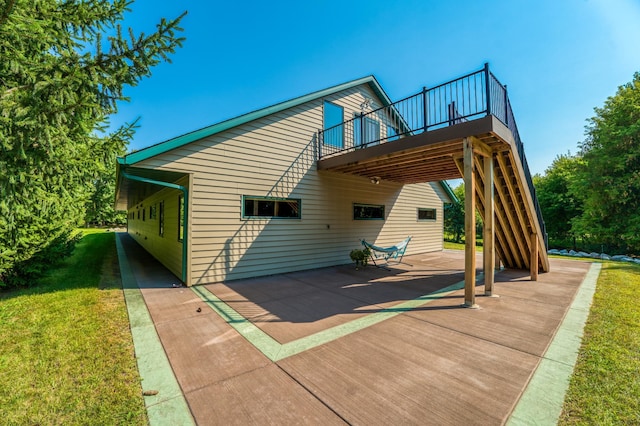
(387, 253)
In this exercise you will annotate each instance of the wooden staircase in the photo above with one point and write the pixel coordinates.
(516, 222)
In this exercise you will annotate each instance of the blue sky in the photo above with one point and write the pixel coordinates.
(559, 59)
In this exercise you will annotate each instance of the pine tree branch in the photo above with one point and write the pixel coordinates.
(7, 11)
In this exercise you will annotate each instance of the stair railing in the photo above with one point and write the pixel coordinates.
(501, 109)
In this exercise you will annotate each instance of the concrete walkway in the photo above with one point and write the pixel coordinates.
(339, 346)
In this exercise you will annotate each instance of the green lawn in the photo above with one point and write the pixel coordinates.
(66, 354)
(459, 246)
(605, 386)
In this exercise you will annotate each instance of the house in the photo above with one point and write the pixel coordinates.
(245, 197)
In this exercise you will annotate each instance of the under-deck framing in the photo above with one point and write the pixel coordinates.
(461, 129)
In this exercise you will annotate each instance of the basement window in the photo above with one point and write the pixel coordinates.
(270, 207)
(425, 214)
(368, 212)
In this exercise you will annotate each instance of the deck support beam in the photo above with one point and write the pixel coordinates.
(533, 262)
(489, 236)
(469, 225)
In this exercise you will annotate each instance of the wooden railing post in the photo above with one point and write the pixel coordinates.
(533, 262)
(489, 230)
(469, 226)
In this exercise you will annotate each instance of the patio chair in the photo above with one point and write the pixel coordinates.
(387, 253)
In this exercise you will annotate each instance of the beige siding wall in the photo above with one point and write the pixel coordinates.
(275, 156)
(166, 248)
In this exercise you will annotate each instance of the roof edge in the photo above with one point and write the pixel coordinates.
(447, 188)
(170, 144)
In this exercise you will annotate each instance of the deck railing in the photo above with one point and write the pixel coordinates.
(469, 97)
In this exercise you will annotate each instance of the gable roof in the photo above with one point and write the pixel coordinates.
(162, 147)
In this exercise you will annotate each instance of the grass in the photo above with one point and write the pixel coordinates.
(66, 353)
(453, 246)
(459, 246)
(605, 386)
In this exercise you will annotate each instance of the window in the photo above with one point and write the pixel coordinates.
(333, 117)
(180, 217)
(426, 214)
(161, 218)
(269, 207)
(153, 211)
(138, 214)
(368, 212)
(144, 213)
(371, 130)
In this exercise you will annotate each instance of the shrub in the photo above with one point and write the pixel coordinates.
(23, 273)
(360, 256)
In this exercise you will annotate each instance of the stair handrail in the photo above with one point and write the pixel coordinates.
(504, 113)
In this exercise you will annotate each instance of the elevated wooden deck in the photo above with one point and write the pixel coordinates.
(464, 128)
(426, 157)
(438, 155)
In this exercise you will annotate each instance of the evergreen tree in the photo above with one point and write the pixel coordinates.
(63, 66)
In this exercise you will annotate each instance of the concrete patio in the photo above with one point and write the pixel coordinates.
(345, 346)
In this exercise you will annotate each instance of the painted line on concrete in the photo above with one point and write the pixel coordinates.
(258, 338)
(541, 403)
(276, 351)
(168, 406)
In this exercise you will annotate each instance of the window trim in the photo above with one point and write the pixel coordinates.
(427, 209)
(244, 216)
(161, 219)
(181, 208)
(382, 206)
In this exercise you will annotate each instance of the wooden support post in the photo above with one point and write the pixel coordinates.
(469, 226)
(489, 236)
(533, 262)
